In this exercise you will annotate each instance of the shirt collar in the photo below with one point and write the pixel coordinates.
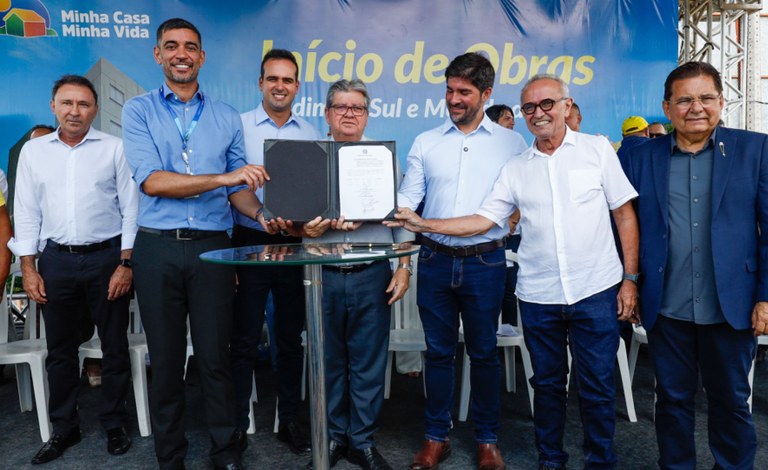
(92, 134)
(260, 116)
(167, 93)
(486, 124)
(569, 139)
(710, 142)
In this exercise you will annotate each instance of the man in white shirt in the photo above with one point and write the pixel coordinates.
(452, 168)
(272, 119)
(76, 202)
(571, 288)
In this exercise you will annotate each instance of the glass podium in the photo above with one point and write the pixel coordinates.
(312, 256)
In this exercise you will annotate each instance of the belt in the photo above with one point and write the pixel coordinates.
(90, 248)
(469, 250)
(347, 268)
(183, 233)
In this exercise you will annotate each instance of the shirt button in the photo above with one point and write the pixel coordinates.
(695, 224)
(698, 300)
(698, 275)
(466, 149)
(694, 178)
(696, 249)
(695, 199)
(191, 218)
(661, 270)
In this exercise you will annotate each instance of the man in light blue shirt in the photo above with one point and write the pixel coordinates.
(453, 168)
(272, 119)
(186, 152)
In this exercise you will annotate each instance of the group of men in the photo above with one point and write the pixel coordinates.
(107, 217)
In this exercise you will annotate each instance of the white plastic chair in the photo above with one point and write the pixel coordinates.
(29, 357)
(508, 343)
(406, 332)
(137, 350)
(639, 336)
(762, 340)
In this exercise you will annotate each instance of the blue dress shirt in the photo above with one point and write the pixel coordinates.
(152, 143)
(689, 291)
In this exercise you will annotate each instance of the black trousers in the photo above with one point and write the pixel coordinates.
(73, 281)
(172, 284)
(254, 285)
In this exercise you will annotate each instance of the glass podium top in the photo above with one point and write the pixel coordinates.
(299, 254)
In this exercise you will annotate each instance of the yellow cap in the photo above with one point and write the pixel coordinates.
(633, 124)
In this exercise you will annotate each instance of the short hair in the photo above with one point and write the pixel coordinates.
(78, 80)
(546, 76)
(690, 70)
(42, 126)
(283, 54)
(576, 107)
(473, 67)
(346, 86)
(494, 112)
(177, 23)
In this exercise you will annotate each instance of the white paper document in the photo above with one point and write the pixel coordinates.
(366, 182)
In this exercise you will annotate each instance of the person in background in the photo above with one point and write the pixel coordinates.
(656, 129)
(573, 118)
(502, 115)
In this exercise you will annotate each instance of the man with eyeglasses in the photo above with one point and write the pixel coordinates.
(452, 168)
(272, 119)
(572, 287)
(357, 299)
(703, 212)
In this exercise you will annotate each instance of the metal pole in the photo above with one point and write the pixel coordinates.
(313, 290)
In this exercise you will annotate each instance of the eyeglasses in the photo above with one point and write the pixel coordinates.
(545, 105)
(341, 109)
(705, 100)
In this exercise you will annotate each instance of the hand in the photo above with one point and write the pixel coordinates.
(760, 318)
(399, 284)
(274, 253)
(342, 224)
(407, 219)
(34, 285)
(252, 175)
(316, 227)
(287, 227)
(627, 300)
(119, 283)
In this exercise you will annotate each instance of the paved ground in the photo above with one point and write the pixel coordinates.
(399, 437)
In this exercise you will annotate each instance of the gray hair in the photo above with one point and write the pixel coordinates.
(346, 86)
(546, 76)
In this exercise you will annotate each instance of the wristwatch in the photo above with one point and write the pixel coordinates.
(126, 263)
(631, 277)
(407, 266)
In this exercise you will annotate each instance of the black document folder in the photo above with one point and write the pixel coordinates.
(305, 179)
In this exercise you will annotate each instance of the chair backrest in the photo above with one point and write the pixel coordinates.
(134, 321)
(6, 320)
(405, 312)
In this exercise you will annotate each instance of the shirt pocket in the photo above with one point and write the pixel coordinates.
(584, 185)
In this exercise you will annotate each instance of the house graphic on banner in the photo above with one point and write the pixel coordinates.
(24, 18)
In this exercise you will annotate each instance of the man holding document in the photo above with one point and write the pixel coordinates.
(357, 297)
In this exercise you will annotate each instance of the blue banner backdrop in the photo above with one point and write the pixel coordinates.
(614, 54)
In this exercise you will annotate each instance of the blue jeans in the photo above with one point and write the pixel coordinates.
(591, 329)
(681, 349)
(473, 286)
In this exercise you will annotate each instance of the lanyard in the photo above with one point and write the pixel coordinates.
(184, 136)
